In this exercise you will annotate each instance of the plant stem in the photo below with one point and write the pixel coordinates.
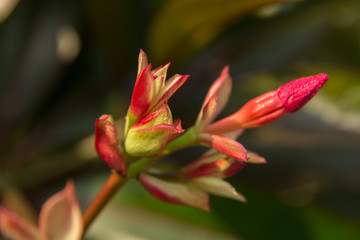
(140, 165)
(189, 138)
(112, 184)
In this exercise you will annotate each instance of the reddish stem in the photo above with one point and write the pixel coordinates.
(111, 186)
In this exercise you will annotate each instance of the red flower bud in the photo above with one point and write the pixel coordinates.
(271, 106)
(106, 144)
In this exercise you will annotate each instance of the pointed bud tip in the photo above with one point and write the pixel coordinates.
(185, 77)
(226, 69)
(142, 52)
(297, 93)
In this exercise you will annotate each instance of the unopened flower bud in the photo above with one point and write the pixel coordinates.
(150, 135)
(106, 144)
(271, 106)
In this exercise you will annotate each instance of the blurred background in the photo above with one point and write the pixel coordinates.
(65, 63)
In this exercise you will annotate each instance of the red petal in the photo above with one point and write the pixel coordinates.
(143, 94)
(161, 71)
(142, 62)
(170, 88)
(106, 144)
(221, 87)
(208, 169)
(208, 164)
(207, 112)
(234, 167)
(162, 115)
(215, 100)
(177, 124)
(224, 145)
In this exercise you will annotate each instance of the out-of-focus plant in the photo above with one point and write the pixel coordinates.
(60, 218)
(150, 134)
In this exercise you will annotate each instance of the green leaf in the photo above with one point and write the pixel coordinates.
(190, 25)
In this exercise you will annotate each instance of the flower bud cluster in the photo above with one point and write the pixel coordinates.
(149, 129)
(149, 124)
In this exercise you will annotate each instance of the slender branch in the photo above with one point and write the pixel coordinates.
(112, 184)
(140, 165)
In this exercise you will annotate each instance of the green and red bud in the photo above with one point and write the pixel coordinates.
(271, 106)
(107, 144)
(150, 135)
(151, 90)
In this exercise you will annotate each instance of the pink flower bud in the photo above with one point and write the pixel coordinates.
(106, 144)
(271, 106)
(150, 135)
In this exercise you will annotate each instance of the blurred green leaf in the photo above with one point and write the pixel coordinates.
(190, 25)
